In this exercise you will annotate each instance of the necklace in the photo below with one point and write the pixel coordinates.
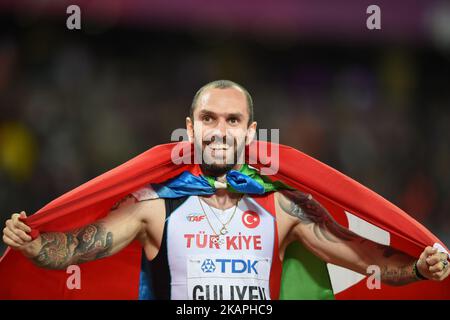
(219, 215)
(223, 231)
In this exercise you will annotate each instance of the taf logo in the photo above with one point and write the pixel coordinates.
(194, 218)
(208, 266)
(250, 219)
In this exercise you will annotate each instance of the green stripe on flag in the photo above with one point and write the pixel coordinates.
(304, 277)
(268, 184)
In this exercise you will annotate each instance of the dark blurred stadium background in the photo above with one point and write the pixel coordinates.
(373, 104)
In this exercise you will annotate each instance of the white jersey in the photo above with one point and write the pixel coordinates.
(241, 263)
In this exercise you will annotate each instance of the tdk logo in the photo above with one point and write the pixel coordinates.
(208, 266)
(230, 265)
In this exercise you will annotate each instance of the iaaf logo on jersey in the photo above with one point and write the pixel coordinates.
(229, 265)
(195, 218)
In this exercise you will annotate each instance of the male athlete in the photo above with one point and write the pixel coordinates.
(226, 245)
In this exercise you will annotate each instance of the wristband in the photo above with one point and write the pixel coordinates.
(417, 273)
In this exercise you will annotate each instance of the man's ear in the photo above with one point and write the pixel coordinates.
(190, 129)
(251, 133)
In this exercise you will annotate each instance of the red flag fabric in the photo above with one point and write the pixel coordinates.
(117, 277)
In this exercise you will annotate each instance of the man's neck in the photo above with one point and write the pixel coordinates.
(222, 198)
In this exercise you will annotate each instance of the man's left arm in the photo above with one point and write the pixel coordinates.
(331, 242)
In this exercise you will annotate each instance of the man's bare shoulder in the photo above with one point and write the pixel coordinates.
(282, 203)
(146, 209)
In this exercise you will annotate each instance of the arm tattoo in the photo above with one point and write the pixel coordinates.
(59, 250)
(387, 251)
(398, 276)
(395, 266)
(310, 212)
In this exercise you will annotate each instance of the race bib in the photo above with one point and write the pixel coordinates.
(228, 277)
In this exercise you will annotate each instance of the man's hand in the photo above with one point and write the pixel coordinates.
(433, 265)
(15, 235)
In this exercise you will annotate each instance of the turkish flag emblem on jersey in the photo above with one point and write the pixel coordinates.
(250, 219)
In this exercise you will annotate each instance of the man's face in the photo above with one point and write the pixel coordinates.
(220, 129)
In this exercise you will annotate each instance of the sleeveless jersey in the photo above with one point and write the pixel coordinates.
(198, 262)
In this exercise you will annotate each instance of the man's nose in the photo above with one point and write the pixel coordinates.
(221, 129)
(218, 133)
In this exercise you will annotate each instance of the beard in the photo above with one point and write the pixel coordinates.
(216, 170)
(219, 165)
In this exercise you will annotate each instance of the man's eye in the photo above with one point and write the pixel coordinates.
(233, 121)
(206, 118)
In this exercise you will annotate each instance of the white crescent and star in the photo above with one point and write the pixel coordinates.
(250, 219)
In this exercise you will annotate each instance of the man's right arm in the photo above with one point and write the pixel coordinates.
(58, 250)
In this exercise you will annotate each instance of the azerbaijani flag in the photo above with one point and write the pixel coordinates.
(304, 276)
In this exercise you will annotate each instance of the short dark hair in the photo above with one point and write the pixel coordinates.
(223, 84)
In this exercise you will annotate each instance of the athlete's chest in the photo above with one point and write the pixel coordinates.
(229, 251)
(198, 227)
(195, 227)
